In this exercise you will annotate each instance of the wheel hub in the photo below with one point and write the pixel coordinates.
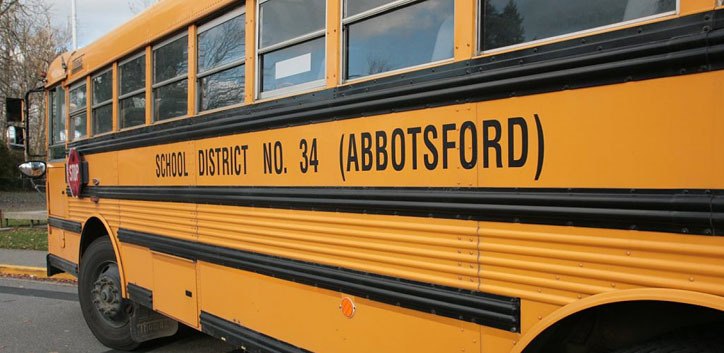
(106, 296)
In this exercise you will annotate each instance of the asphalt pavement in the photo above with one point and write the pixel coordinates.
(30, 258)
(45, 317)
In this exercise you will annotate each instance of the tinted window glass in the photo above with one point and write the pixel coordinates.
(56, 99)
(223, 88)
(171, 60)
(171, 100)
(353, 7)
(77, 98)
(222, 44)
(78, 126)
(103, 119)
(408, 36)
(103, 87)
(509, 22)
(282, 20)
(293, 65)
(133, 75)
(132, 111)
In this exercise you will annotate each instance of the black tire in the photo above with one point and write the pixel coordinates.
(706, 339)
(99, 292)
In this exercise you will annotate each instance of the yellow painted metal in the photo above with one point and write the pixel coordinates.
(149, 85)
(88, 106)
(57, 70)
(171, 219)
(137, 263)
(557, 266)
(63, 243)
(688, 7)
(465, 31)
(55, 189)
(439, 251)
(115, 97)
(311, 318)
(193, 65)
(174, 288)
(589, 143)
(333, 38)
(250, 47)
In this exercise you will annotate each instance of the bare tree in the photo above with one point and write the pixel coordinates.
(7, 5)
(28, 43)
(137, 6)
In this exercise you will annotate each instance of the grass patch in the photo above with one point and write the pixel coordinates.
(14, 223)
(23, 237)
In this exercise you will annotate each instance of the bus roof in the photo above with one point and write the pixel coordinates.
(158, 21)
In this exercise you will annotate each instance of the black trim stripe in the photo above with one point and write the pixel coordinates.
(485, 309)
(686, 45)
(55, 265)
(235, 334)
(677, 211)
(64, 224)
(140, 295)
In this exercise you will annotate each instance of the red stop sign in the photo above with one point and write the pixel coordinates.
(73, 173)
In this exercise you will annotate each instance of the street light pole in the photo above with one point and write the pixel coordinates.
(74, 24)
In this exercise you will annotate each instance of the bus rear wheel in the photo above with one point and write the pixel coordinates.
(99, 292)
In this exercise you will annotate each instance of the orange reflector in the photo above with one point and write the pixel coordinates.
(348, 308)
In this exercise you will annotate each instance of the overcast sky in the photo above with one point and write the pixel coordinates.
(95, 17)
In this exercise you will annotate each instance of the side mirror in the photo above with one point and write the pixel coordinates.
(14, 110)
(15, 138)
(14, 113)
(33, 169)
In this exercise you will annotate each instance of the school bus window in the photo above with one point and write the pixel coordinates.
(102, 102)
(291, 45)
(170, 79)
(132, 98)
(221, 61)
(395, 36)
(56, 110)
(511, 22)
(78, 121)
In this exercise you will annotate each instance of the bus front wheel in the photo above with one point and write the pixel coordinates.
(99, 292)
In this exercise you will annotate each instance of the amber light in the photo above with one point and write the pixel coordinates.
(348, 308)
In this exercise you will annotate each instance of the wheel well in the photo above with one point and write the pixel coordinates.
(92, 230)
(618, 325)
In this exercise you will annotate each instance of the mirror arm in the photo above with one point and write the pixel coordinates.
(26, 111)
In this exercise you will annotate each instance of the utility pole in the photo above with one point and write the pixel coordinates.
(74, 24)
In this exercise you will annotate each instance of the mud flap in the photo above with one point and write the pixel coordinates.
(147, 324)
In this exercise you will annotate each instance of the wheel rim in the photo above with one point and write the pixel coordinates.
(106, 295)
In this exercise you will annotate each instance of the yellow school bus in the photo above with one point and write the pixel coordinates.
(396, 176)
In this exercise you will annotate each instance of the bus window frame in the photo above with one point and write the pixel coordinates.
(122, 96)
(259, 52)
(52, 93)
(368, 14)
(52, 144)
(239, 11)
(480, 51)
(154, 86)
(77, 112)
(95, 105)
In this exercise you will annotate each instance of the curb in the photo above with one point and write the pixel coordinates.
(33, 272)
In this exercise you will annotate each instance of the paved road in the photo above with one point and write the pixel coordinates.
(32, 258)
(45, 317)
